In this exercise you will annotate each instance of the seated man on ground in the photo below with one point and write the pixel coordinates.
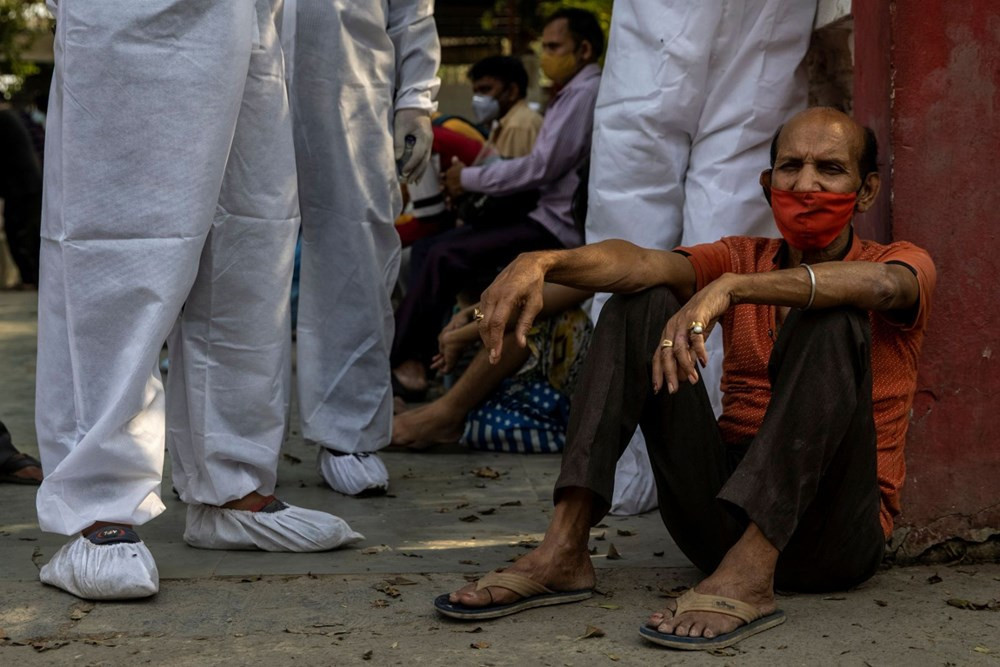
(797, 483)
(519, 405)
(470, 256)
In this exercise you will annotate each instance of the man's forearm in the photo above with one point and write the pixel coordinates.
(617, 266)
(866, 285)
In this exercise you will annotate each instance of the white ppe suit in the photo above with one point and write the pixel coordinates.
(691, 96)
(351, 65)
(170, 204)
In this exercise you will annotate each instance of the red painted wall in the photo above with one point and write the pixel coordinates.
(944, 113)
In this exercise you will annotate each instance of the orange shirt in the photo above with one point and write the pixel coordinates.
(748, 332)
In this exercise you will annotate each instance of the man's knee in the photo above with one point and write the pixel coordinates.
(844, 323)
(621, 308)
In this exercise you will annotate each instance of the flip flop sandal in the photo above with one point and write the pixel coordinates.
(691, 601)
(17, 462)
(532, 595)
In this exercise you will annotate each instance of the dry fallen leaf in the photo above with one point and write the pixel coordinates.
(992, 605)
(593, 550)
(443, 510)
(294, 460)
(658, 554)
(80, 610)
(380, 604)
(41, 647)
(934, 579)
(461, 506)
(627, 533)
(613, 658)
(388, 589)
(613, 552)
(511, 503)
(401, 581)
(882, 603)
(479, 645)
(367, 655)
(981, 649)
(592, 632)
(601, 537)
(487, 472)
(371, 551)
(470, 518)
(488, 511)
(526, 544)
(834, 598)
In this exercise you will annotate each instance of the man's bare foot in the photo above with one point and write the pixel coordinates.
(427, 425)
(709, 624)
(558, 568)
(746, 573)
(28, 472)
(411, 375)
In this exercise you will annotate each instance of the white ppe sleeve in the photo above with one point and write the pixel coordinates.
(418, 53)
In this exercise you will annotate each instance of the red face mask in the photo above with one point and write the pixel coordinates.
(811, 220)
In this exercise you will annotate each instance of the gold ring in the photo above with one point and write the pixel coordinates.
(696, 328)
(477, 314)
(667, 343)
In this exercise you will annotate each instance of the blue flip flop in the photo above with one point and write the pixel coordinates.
(753, 620)
(533, 595)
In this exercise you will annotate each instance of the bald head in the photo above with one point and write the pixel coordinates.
(859, 140)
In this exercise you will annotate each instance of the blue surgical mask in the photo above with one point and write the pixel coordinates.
(485, 107)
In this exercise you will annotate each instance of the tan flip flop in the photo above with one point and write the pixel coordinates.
(532, 595)
(754, 622)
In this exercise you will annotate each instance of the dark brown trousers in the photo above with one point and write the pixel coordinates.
(808, 478)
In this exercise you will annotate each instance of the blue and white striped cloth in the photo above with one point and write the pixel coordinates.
(526, 417)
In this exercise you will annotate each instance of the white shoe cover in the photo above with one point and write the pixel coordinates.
(103, 572)
(289, 529)
(635, 488)
(354, 474)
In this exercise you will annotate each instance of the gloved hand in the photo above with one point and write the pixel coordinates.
(417, 124)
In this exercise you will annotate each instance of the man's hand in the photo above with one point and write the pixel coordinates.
(457, 335)
(687, 348)
(414, 123)
(453, 178)
(517, 288)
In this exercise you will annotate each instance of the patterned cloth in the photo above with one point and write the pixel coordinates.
(529, 412)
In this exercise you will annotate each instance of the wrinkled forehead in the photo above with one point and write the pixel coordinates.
(827, 135)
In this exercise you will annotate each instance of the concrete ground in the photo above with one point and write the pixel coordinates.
(441, 525)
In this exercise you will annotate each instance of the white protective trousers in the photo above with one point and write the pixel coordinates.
(691, 95)
(350, 66)
(170, 204)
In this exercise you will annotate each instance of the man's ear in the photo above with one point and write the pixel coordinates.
(586, 51)
(868, 192)
(765, 184)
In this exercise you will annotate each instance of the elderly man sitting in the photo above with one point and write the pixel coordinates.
(797, 483)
